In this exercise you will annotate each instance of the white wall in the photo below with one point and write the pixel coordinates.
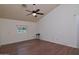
(59, 26)
(77, 23)
(9, 34)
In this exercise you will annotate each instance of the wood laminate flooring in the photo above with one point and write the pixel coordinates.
(37, 47)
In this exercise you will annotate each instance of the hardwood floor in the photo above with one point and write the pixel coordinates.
(37, 47)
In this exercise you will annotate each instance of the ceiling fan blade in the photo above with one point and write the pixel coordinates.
(28, 14)
(28, 10)
(37, 10)
(40, 13)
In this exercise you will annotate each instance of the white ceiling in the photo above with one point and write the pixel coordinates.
(16, 11)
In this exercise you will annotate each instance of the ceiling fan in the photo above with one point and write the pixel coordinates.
(34, 12)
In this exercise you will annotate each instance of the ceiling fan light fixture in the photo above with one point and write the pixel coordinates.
(34, 14)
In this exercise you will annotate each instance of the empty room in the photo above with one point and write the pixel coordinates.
(39, 29)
